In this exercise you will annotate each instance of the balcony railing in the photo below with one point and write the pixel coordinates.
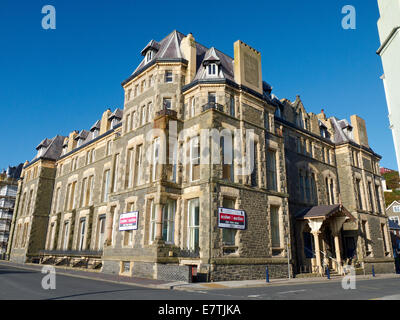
(71, 253)
(166, 112)
(186, 253)
(213, 105)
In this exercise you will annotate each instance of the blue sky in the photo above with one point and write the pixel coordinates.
(56, 81)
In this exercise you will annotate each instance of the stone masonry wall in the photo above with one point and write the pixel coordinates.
(248, 272)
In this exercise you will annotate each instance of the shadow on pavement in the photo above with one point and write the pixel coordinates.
(9, 271)
(97, 292)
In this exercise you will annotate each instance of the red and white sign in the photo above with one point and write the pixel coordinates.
(128, 221)
(231, 218)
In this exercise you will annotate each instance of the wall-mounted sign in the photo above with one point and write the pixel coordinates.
(128, 221)
(231, 219)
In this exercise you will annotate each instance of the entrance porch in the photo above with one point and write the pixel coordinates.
(320, 235)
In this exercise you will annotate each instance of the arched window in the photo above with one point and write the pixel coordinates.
(212, 69)
(149, 56)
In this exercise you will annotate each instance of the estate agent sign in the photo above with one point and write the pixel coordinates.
(128, 221)
(231, 219)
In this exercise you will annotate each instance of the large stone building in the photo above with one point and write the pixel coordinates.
(8, 193)
(389, 51)
(151, 191)
(336, 200)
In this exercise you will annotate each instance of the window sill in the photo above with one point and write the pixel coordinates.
(277, 251)
(229, 250)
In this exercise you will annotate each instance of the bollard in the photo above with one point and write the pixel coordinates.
(373, 271)
(328, 273)
(267, 274)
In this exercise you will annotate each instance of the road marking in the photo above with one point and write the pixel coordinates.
(394, 297)
(293, 291)
(254, 296)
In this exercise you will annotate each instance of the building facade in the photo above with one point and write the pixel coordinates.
(8, 193)
(389, 51)
(174, 166)
(35, 189)
(336, 200)
(393, 212)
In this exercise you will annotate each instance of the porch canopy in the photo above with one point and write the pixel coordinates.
(324, 212)
(333, 215)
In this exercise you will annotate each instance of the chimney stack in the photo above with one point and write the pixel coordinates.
(359, 130)
(188, 49)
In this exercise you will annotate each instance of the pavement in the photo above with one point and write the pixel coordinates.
(25, 282)
(180, 285)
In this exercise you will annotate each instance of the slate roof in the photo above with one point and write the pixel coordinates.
(324, 211)
(151, 45)
(225, 65)
(118, 113)
(318, 211)
(14, 172)
(169, 49)
(44, 143)
(339, 126)
(211, 56)
(53, 150)
(82, 135)
(95, 126)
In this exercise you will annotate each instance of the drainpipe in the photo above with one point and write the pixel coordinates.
(386, 41)
(210, 207)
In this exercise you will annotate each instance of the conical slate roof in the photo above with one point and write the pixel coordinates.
(169, 49)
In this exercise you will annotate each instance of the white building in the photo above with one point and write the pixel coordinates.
(389, 51)
(8, 193)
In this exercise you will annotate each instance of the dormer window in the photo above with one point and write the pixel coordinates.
(324, 132)
(348, 131)
(41, 152)
(211, 63)
(212, 70)
(95, 133)
(64, 150)
(79, 143)
(114, 122)
(150, 51)
(149, 56)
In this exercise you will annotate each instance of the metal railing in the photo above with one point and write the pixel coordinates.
(212, 105)
(184, 253)
(323, 261)
(71, 253)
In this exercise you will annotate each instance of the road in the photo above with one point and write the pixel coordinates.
(23, 284)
